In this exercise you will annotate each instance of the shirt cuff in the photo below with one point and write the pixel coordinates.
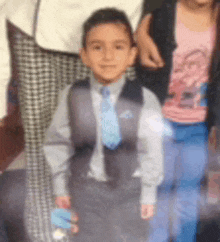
(60, 188)
(148, 194)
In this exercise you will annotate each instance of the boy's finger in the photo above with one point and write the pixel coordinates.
(63, 202)
(146, 216)
(65, 205)
(75, 217)
(75, 229)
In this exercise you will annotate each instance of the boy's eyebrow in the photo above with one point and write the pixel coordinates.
(95, 42)
(122, 41)
(101, 41)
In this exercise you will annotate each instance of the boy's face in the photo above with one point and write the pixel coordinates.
(108, 52)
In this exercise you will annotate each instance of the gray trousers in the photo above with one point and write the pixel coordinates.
(107, 214)
(3, 234)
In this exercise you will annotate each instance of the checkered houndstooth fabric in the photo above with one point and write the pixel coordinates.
(42, 75)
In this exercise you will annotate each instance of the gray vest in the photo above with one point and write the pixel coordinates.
(120, 163)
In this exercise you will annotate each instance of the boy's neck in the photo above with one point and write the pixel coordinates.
(108, 83)
(113, 83)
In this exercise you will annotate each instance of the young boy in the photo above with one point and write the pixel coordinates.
(104, 143)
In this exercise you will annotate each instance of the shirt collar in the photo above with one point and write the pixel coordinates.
(114, 87)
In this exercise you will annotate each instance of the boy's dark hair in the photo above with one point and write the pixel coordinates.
(106, 16)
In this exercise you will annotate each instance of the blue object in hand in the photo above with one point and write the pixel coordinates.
(61, 218)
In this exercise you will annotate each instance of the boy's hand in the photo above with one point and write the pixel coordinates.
(65, 203)
(147, 211)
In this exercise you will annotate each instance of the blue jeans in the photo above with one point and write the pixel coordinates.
(186, 156)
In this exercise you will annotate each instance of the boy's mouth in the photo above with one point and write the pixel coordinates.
(108, 67)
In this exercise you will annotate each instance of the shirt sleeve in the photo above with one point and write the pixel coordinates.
(150, 135)
(4, 61)
(58, 147)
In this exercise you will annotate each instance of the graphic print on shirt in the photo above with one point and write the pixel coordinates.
(188, 86)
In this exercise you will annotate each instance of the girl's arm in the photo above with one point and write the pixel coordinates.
(148, 51)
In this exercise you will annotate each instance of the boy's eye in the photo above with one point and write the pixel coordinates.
(97, 47)
(119, 47)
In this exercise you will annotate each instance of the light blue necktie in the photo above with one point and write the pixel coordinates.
(111, 136)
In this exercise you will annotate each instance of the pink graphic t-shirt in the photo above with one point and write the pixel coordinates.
(186, 101)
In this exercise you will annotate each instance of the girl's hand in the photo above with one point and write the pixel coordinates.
(149, 54)
(148, 50)
(147, 211)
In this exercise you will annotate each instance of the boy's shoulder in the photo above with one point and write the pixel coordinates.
(148, 94)
(136, 84)
(77, 83)
(149, 97)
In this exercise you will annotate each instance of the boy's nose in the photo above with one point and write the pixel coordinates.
(109, 54)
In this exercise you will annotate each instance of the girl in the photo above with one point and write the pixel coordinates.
(187, 84)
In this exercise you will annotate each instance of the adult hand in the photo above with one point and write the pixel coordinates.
(147, 211)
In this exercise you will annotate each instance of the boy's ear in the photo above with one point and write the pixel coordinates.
(83, 56)
(133, 55)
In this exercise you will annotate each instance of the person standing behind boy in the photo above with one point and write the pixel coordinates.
(186, 33)
(112, 172)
